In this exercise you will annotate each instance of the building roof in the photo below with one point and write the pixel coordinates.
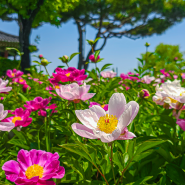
(5, 37)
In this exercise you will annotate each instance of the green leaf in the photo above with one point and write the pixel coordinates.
(96, 54)
(19, 142)
(175, 173)
(105, 66)
(36, 62)
(73, 55)
(148, 145)
(97, 39)
(24, 99)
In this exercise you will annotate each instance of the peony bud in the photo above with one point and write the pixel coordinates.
(144, 93)
(44, 62)
(41, 56)
(147, 44)
(64, 59)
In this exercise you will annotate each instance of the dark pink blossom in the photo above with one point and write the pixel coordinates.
(14, 73)
(20, 118)
(105, 106)
(67, 75)
(34, 167)
(40, 104)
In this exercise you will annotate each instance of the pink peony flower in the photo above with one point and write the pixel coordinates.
(108, 74)
(14, 73)
(92, 58)
(181, 123)
(67, 75)
(3, 87)
(74, 92)
(183, 75)
(175, 76)
(124, 76)
(34, 167)
(20, 118)
(110, 125)
(40, 104)
(105, 107)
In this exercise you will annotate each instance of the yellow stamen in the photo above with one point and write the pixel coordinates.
(182, 93)
(21, 80)
(107, 123)
(13, 74)
(16, 118)
(34, 170)
(102, 106)
(173, 101)
(68, 74)
(57, 87)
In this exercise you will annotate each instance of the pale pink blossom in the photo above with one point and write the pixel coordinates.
(108, 74)
(107, 125)
(147, 79)
(3, 84)
(74, 92)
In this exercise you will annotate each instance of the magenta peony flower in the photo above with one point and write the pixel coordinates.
(92, 58)
(74, 92)
(40, 104)
(20, 118)
(105, 107)
(107, 125)
(183, 75)
(14, 73)
(3, 87)
(124, 76)
(34, 167)
(67, 75)
(108, 74)
(144, 93)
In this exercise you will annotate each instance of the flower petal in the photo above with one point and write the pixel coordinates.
(6, 126)
(11, 169)
(99, 111)
(87, 117)
(117, 104)
(107, 138)
(87, 96)
(83, 131)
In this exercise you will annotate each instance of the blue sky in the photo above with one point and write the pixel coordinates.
(122, 53)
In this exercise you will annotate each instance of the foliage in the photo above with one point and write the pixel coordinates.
(164, 56)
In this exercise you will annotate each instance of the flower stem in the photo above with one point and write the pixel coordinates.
(124, 170)
(112, 163)
(46, 132)
(47, 71)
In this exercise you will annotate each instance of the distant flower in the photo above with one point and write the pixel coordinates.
(34, 167)
(14, 73)
(147, 79)
(20, 118)
(110, 125)
(40, 104)
(176, 58)
(92, 58)
(74, 92)
(67, 75)
(19, 80)
(105, 106)
(3, 84)
(124, 76)
(183, 75)
(108, 74)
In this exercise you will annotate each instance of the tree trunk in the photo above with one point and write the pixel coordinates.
(26, 62)
(81, 45)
